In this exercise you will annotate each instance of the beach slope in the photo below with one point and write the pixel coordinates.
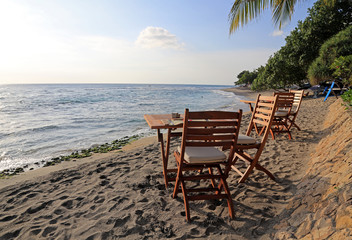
(122, 194)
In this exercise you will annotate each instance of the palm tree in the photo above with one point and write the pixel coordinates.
(244, 11)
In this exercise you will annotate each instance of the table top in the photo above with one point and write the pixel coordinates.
(247, 101)
(163, 121)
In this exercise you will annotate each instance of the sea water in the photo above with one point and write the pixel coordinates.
(39, 122)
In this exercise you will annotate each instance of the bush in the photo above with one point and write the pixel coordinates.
(347, 97)
(330, 53)
(342, 68)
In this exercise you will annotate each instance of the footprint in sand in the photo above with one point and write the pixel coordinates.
(8, 218)
(11, 235)
(36, 231)
(67, 204)
(38, 207)
(48, 230)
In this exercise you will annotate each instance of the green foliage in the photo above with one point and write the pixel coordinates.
(330, 52)
(246, 77)
(318, 72)
(322, 22)
(278, 73)
(290, 64)
(347, 97)
(342, 69)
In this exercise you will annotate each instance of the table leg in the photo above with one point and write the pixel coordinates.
(250, 107)
(165, 150)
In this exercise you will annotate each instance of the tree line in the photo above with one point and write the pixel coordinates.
(318, 49)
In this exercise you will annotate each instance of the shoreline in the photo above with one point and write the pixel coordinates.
(247, 92)
(64, 165)
(84, 153)
(115, 145)
(42, 144)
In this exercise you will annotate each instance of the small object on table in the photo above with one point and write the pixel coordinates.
(175, 115)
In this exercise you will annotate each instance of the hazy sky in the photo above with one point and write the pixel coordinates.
(132, 41)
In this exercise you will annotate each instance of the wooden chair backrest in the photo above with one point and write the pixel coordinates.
(210, 129)
(297, 99)
(263, 114)
(285, 101)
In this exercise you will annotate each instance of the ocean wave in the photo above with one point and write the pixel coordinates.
(61, 117)
(32, 130)
(146, 104)
(44, 128)
(224, 93)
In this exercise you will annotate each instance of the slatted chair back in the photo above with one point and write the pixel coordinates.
(295, 107)
(210, 129)
(285, 101)
(298, 96)
(283, 110)
(263, 114)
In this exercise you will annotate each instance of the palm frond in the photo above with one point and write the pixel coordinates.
(244, 11)
(330, 3)
(282, 10)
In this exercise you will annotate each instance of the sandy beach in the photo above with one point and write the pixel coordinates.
(121, 194)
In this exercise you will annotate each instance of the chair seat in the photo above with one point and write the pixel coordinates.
(292, 112)
(244, 139)
(203, 155)
(281, 114)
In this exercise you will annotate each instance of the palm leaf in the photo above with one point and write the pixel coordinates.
(244, 11)
(282, 10)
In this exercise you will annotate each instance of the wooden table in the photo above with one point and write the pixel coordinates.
(249, 102)
(164, 121)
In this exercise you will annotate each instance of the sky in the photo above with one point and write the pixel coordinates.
(132, 41)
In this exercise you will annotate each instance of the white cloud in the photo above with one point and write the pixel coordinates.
(277, 33)
(157, 37)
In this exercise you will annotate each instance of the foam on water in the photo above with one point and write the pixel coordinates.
(38, 122)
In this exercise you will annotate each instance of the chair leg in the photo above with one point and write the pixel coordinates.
(272, 134)
(256, 129)
(185, 200)
(212, 180)
(229, 198)
(177, 184)
(261, 168)
(178, 178)
(287, 130)
(262, 131)
(234, 160)
(247, 157)
(246, 173)
(285, 125)
(294, 124)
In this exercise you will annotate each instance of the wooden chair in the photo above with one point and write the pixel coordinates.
(202, 133)
(262, 116)
(282, 113)
(298, 96)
